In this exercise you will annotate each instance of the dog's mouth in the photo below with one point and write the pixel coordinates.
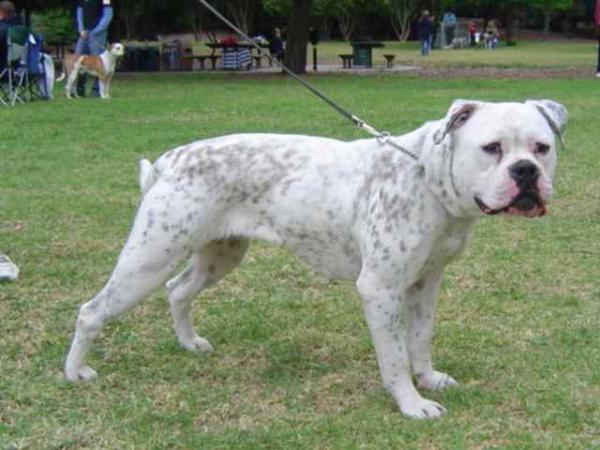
(526, 204)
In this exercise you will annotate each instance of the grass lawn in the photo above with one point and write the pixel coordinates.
(526, 54)
(293, 365)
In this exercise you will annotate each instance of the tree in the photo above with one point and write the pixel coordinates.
(343, 10)
(55, 24)
(549, 7)
(297, 36)
(131, 13)
(402, 12)
(242, 13)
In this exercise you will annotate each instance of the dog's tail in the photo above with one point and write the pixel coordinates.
(147, 176)
(61, 77)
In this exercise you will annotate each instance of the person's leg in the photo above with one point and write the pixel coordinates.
(97, 44)
(598, 66)
(450, 35)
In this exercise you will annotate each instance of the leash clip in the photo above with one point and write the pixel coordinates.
(383, 137)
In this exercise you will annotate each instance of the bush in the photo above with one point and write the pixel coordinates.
(56, 24)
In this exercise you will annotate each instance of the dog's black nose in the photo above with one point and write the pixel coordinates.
(524, 171)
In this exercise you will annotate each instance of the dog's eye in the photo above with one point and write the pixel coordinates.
(495, 148)
(541, 149)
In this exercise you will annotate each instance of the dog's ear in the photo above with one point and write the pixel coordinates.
(460, 111)
(555, 114)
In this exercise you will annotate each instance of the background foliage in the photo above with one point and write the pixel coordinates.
(144, 19)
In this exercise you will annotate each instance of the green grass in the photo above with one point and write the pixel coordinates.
(293, 365)
(526, 54)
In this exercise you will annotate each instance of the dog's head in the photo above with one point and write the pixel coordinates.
(500, 157)
(117, 49)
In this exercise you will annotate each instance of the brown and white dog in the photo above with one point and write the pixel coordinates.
(102, 66)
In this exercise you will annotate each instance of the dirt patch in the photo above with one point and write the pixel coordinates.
(496, 72)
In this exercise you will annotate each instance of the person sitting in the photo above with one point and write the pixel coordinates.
(8, 18)
(276, 46)
(491, 35)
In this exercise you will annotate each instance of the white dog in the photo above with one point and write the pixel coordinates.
(354, 210)
(102, 66)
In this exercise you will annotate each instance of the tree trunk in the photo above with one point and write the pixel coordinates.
(346, 25)
(241, 13)
(401, 29)
(402, 12)
(297, 36)
(547, 18)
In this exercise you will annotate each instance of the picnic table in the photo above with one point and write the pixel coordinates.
(235, 56)
(362, 52)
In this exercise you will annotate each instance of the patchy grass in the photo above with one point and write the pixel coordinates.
(293, 365)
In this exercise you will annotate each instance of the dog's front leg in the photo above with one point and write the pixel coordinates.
(385, 314)
(102, 84)
(420, 302)
(107, 84)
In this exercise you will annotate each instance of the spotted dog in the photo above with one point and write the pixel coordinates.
(102, 66)
(353, 210)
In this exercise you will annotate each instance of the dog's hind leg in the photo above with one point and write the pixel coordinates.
(149, 257)
(208, 265)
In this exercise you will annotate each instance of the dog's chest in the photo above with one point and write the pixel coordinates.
(447, 245)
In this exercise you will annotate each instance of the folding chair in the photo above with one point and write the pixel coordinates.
(36, 69)
(15, 76)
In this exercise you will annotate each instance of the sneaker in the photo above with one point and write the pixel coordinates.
(8, 270)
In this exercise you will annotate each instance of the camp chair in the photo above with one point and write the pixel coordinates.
(14, 77)
(37, 87)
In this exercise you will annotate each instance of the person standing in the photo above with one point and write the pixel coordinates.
(433, 32)
(425, 33)
(449, 23)
(93, 19)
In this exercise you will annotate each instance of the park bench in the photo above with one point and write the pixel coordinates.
(346, 61)
(389, 60)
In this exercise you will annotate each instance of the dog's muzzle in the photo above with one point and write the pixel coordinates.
(528, 203)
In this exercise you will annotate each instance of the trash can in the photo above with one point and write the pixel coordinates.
(362, 56)
(362, 52)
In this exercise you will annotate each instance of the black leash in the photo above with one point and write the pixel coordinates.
(382, 138)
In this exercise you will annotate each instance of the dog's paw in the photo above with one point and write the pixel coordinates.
(420, 408)
(436, 381)
(84, 373)
(197, 344)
